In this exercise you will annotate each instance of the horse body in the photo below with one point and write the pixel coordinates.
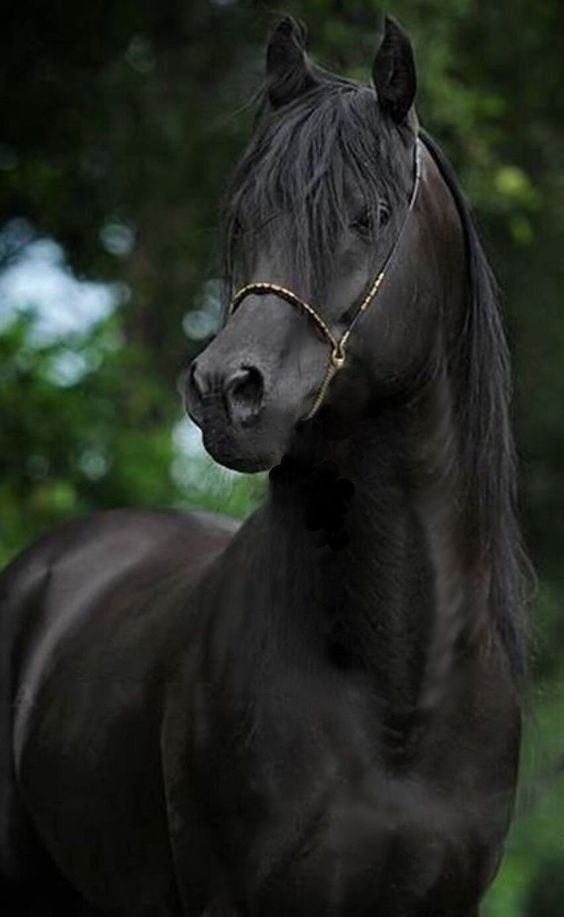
(318, 714)
(252, 766)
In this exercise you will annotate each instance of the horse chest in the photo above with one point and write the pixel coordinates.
(295, 781)
(305, 812)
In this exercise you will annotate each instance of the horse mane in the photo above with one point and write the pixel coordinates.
(481, 367)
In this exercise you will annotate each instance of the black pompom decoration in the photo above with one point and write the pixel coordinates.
(323, 495)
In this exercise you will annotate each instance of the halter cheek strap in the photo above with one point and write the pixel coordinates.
(338, 355)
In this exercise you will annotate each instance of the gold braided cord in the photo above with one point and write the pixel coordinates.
(371, 293)
(338, 354)
(362, 308)
(262, 289)
(332, 369)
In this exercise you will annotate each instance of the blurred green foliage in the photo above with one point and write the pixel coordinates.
(121, 124)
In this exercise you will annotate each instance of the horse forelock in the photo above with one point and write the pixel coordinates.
(301, 167)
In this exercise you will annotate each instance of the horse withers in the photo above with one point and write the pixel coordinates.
(317, 713)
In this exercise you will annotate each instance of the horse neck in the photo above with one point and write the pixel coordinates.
(377, 603)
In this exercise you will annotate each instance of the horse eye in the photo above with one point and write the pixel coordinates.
(384, 213)
(363, 223)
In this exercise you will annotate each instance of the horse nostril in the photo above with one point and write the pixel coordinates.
(193, 388)
(244, 391)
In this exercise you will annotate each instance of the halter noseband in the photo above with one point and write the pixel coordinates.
(338, 353)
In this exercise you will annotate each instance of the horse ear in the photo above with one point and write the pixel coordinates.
(288, 70)
(393, 71)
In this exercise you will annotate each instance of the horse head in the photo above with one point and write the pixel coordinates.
(327, 257)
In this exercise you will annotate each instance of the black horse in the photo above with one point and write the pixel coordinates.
(318, 714)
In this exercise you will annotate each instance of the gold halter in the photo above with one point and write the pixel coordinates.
(338, 353)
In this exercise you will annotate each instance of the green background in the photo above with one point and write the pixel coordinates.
(121, 122)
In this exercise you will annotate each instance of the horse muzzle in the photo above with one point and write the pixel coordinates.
(230, 405)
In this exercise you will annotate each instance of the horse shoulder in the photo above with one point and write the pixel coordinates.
(85, 613)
